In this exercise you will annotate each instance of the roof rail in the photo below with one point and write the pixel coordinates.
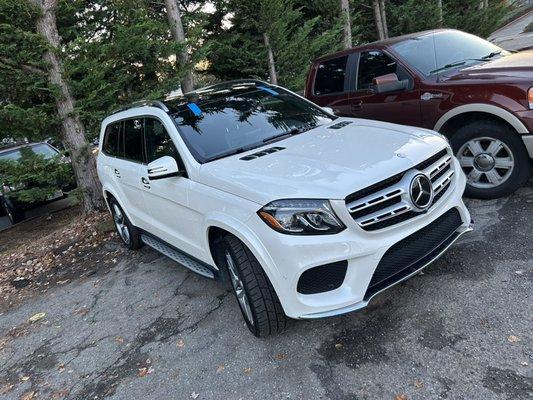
(141, 103)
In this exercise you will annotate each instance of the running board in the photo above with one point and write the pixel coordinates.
(178, 256)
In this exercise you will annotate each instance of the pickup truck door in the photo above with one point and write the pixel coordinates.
(401, 107)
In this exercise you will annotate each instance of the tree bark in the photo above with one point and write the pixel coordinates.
(377, 18)
(271, 63)
(347, 28)
(176, 28)
(384, 18)
(439, 7)
(73, 130)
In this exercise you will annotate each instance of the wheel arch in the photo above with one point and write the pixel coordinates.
(468, 112)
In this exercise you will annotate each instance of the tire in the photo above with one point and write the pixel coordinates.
(129, 234)
(15, 215)
(493, 158)
(265, 314)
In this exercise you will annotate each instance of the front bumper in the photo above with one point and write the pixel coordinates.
(286, 257)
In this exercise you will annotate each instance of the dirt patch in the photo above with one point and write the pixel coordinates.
(53, 250)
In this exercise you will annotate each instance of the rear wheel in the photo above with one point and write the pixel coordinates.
(129, 234)
(258, 301)
(15, 215)
(493, 158)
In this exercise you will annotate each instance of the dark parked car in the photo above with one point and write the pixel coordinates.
(475, 93)
(9, 204)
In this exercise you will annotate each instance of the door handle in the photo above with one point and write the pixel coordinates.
(357, 105)
(117, 173)
(145, 182)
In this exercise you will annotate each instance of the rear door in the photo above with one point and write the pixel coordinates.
(331, 84)
(402, 107)
(127, 169)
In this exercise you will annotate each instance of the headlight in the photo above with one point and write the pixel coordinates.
(301, 217)
(530, 98)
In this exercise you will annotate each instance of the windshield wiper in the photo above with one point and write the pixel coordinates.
(447, 66)
(230, 153)
(292, 132)
(493, 54)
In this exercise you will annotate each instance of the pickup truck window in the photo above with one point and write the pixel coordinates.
(330, 76)
(373, 64)
(230, 121)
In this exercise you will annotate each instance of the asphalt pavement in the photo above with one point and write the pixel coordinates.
(149, 329)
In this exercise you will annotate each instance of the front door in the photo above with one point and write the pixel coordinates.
(167, 199)
(401, 107)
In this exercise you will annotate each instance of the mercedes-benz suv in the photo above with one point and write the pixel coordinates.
(307, 214)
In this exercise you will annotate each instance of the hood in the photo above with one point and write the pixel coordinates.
(324, 163)
(514, 66)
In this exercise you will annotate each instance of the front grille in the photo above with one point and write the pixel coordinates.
(322, 278)
(387, 203)
(415, 251)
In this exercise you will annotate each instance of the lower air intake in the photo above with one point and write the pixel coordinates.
(322, 278)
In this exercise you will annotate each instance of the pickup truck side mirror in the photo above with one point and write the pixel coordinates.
(389, 83)
(164, 167)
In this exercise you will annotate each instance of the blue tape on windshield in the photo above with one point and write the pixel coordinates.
(195, 109)
(268, 90)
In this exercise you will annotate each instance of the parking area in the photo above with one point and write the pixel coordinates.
(147, 328)
(46, 209)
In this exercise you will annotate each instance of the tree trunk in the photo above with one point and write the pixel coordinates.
(347, 28)
(439, 7)
(377, 18)
(271, 63)
(73, 130)
(384, 18)
(176, 28)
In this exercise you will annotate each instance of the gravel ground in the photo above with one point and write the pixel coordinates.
(147, 328)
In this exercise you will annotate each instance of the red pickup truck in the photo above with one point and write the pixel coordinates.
(477, 94)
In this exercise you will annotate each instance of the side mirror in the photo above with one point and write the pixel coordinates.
(329, 110)
(163, 167)
(389, 83)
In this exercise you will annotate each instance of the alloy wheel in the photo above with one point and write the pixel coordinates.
(238, 287)
(487, 162)
(120, 223)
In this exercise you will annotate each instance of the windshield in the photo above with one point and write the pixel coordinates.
(448, 49)
(229, 119)
(40, 149)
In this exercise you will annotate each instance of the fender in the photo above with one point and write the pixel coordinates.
(486, 108)
(112, 193)
(250, 239)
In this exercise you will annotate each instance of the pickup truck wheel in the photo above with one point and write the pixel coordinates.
(258, 301)
(15, 215)
(493, 158)
(129, 234)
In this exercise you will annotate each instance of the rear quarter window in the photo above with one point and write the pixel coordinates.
(111, 145)
(330, 76)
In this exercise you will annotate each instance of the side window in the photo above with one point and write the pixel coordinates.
(330, 76)
(133, 139)
(158, 141)
(112, 140)
(373, 64)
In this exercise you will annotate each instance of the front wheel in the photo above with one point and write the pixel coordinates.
(258, 301)
(493, 158)
(129, 234)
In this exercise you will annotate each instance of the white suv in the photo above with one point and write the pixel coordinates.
(309, 215)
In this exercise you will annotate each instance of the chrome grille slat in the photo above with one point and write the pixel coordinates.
(390, 198)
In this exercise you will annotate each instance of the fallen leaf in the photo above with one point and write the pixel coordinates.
(418, 383)
(220, 368)
(6, 389)
(37, 317)
(145, 371)
(519, 272)
(400, 397)
(25, 378)
(194, 395)
(338, 346)
(60, 394)
(513, 339)
(119, 339)
(180, 343)
(524, 364)
(28, 395)
(280, 356)
(61, 367)
(247, 370)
